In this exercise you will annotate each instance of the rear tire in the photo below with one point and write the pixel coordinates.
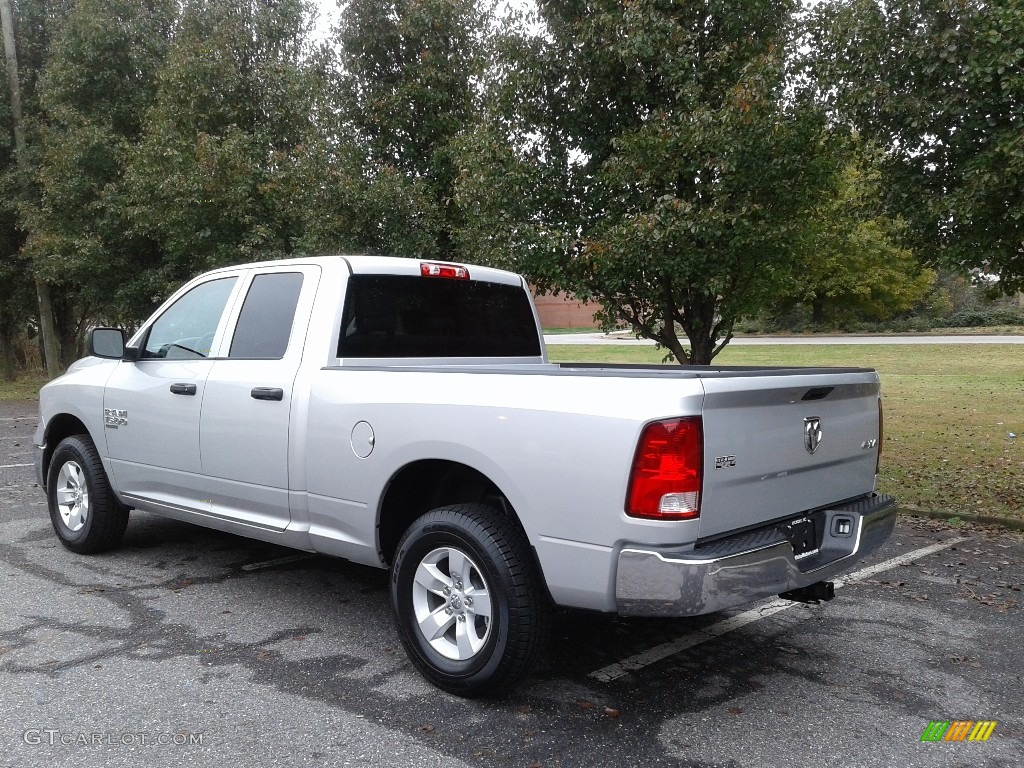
(468, 599)
(85, 514)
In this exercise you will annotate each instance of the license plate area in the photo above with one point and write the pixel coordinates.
(805, 534)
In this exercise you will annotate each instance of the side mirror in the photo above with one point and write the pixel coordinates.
(107, 343)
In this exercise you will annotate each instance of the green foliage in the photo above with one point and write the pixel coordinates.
(35, 22)
(940, 85)
(663, 158)
(853, 265)
(980, 318)
(93, 91)
(210, 183)
(685, 172)
(950, 302)
(406, 88)
(36, 25)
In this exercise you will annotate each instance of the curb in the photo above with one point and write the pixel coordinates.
(1012, 523)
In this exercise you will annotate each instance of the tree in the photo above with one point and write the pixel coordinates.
(37, 16)
(10, 243)
(853, 264)
(407, 88)
(671, 172)
(98, 81)
(16, 303)
(939, 84)
(213, 180)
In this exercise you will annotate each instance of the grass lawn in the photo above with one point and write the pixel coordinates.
(949, 413)
(22, 388)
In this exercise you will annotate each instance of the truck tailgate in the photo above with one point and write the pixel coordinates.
(776, 445)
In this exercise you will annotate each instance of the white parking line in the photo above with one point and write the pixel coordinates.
(672, 647)
(11, 466)
(278, 561)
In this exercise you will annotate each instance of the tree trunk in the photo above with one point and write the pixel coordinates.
(8, 365)
(668, 337)
(70, 319)
(698, 321)
(699, 324)
(817, 312)
(47, 331)
(702, 350)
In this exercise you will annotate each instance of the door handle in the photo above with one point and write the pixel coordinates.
(267, 393)
(183, 389)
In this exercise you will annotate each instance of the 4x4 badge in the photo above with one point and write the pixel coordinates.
(812, 433)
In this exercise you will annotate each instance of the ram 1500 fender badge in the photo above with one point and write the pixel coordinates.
(812, 433)
(724, 462)
(114, 418)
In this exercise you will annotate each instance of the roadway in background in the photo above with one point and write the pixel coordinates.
(555, 339)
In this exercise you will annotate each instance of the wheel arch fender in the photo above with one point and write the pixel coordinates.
(73, 405)
(422, 480)
(57, 428)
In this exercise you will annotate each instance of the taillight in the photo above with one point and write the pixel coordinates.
(430, 269)
(878, 456)
(665, 483)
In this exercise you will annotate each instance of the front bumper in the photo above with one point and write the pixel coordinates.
(746, 567)
(38, 463)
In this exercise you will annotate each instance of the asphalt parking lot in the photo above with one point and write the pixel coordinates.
(192, 647)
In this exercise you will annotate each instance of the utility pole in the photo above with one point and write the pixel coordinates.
(42, 288)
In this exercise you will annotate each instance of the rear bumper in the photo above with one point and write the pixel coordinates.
(746, 567)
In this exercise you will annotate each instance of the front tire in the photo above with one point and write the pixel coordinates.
(467, 597)
(85, 514)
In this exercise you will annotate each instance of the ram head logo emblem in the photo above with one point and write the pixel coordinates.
(812, 433)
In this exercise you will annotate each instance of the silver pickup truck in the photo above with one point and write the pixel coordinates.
(403, 414)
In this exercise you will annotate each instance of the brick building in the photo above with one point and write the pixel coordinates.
(564, 311)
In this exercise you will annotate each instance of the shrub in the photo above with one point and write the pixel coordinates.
(975, 318)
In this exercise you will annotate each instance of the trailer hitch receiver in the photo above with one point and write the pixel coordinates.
(812, 593)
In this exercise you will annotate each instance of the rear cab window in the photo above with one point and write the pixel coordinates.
(407, 316)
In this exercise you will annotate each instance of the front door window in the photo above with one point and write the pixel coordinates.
(187, 328)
